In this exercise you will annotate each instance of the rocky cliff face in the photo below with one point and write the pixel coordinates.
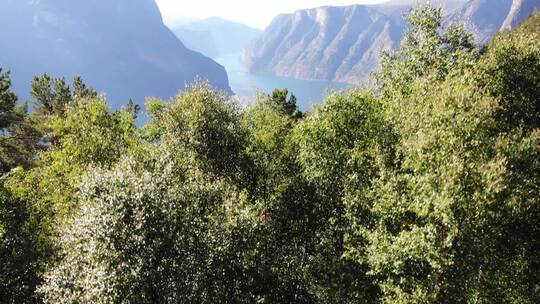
(335, 43)
(520, 10)
(120, 47)
(482, 17)
(344, 43)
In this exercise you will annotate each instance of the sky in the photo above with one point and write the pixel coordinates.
(256, 13)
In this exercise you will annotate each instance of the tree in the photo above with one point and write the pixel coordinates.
(52, 96)
(284, 103)
(510, 71)
(8, 100)
(18, 137)
(151, 230)
(169, 222)
(19, 255)
(337, 152)
(285, 203)
(86, 135)
(442, 224)
(203, 124)
(426, 50)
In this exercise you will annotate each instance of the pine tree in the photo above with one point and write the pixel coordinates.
(18, 137)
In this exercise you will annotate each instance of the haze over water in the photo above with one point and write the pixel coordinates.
(245, 85)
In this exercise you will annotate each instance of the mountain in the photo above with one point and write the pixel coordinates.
(333, 43)
(215, 36)
(483, 18)
(200, 41)
(120, 47)
(343, 43)
(520, 10)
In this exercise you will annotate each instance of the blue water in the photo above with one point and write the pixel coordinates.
(245, 85)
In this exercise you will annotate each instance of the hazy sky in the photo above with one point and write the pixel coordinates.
(257, 13)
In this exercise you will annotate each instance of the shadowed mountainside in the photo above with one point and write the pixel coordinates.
(120, 47)
(215, 36)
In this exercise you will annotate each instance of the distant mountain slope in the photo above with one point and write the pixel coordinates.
(198, 40)
(334, 43)
(482, 17)
(215, 36)
(344, 43)
(521, 9)
(120, 47)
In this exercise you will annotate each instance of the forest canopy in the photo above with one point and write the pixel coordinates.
(422, 189)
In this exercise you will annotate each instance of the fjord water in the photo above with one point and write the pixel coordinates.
(245, 85)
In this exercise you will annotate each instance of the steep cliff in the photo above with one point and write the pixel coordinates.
(521, 9)
(344, 43)
(121, 47)
(335, 43)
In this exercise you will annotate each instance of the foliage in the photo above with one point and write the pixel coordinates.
(337, 145)
(87, 134)
(202, 125)
(18, 136)
(53, 95)
(148, 232)
(511, 71)
(423, 189)
(284, 200)
(281, 101)
(426, 50)
(444, 223)
(18, 270)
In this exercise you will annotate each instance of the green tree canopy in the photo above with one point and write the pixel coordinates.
(422, 189)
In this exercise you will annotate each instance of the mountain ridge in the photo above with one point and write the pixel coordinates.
(332, 43)
(215, 36)
(519, 11)
(120, 47)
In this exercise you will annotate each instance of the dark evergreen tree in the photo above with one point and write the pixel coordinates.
(18, 136)
(52, 96)
(285, 103)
